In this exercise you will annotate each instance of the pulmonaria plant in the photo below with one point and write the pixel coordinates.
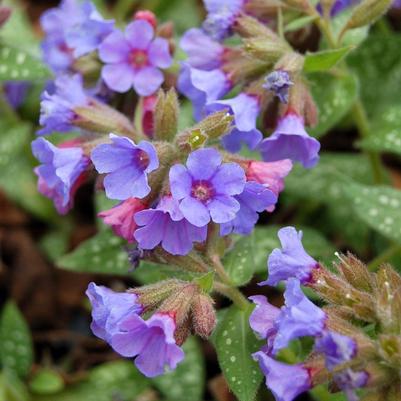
(184, 196)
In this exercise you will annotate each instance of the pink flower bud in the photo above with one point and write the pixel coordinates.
(146, 15)
(203, 315)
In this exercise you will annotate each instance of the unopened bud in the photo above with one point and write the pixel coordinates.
(249, 27)
(179, 303)
(265, 50)
(166, 115)
(152, 295)
(203, 315)
(182, 332)
(367, 12)
(102, 118)
(146, 15)
(355, 272)
(166, 30)
(263, 9)
(213, 126)
(291, 62)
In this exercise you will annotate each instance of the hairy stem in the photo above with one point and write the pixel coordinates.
(232, 293)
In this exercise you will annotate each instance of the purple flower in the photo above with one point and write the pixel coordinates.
(150, 341)
(57, 109)
(245, 109)
(203, 52)
(291, 260)
(279, 82)
(291, 141)
(59, 172)
(206, 187)
(396, 4)
(263, 317)
(298, 318)
(202, 87)
(54, 22)
(286, 382)
(221, 15)
(167, 226)
(15, 92)
(348, 380)
(254, 199)
(133, 59)
(336, 347)
(85, 33)
(126, 165)
(109, 308)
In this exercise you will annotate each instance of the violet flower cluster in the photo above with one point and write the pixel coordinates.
(213, 69)
(343, 354)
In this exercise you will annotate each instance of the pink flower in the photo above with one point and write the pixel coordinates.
(121, 218)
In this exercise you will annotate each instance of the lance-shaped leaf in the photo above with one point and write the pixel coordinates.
(325, 59)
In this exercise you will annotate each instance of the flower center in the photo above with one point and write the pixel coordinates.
(138, 58)
(142, 159)
(202, 190)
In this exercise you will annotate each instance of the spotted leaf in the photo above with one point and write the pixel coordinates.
(378, 207)
(16, 352)
(19, 65)
(235, 342)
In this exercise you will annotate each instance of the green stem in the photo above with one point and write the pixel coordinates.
(232, 293)
(362, 123)
(219, 270)
(384, 257)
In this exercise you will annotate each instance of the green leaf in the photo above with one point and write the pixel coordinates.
(321, 393)
(378, 66)
(188, 380)
(19, 65)
(103, 253)
(16, 352)
(118, 380)
(325, 59)
(386, 132)
(239, 263)
(334, 96)
(205, 282)
(235, 342)
(46, 381)
(378, 207)
(325, 187)
(102, 203)
(18, 31)
(12, 388)
(266, 239)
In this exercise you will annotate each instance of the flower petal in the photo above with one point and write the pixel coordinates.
(118, 77)
(159, 53)
(147, 81)
(195, 211)
(139, 34)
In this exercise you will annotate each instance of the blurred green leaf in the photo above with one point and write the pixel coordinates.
(103, 253)
(379, 207)
(386, 132)
(188, 380)
(334, 97)
(12, 388)
(46, 381)
(19, 65)
(16, 352)
(325, 59)
(321, 393)
(378, 65)
(235, 342)
(266, 239)
(239, 263)
(111, 381)
(324, 185)
(102, 203)
(18, 31)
